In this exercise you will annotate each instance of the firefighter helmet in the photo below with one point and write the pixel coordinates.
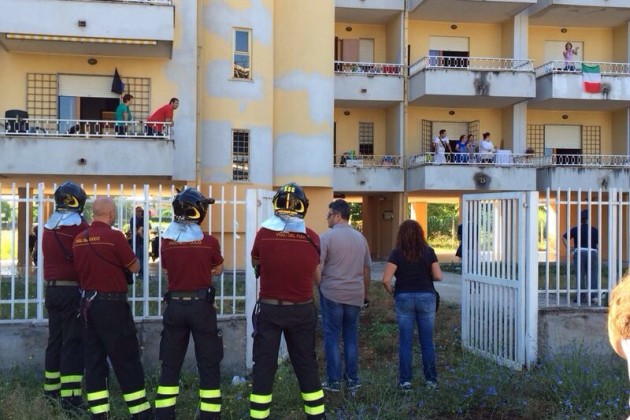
(290, 200)
(70, 196)
(190, 205)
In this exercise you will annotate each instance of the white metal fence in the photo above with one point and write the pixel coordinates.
(471, 63)
(499, 305)
(559, 66)
(21, 279)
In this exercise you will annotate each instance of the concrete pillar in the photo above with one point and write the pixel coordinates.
(420, 213)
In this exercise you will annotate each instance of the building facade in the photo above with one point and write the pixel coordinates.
(344, 97)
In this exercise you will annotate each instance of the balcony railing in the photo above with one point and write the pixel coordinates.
(167, 2)
(471, 63)
(387, 69)
(505, 157)
(559, 66)
(369, 161)
(47, 127)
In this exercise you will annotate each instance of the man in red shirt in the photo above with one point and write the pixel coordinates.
(101, 254)
(191, 258)
(286, 254)
(64, 353)
(161, 115)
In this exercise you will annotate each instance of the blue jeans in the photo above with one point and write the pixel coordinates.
(418, 307)
(339, 318)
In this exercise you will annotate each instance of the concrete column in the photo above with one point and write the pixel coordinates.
(420, 213)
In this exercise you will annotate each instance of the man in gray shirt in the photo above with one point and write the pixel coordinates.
(345, 259)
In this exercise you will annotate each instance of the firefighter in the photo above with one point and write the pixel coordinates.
(101, 254)
(191, 257)
(64, 354)
(286, 254)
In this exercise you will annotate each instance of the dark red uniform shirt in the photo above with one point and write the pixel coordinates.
(95, 272)
(57, 265)
(189, 264)
(287, 263)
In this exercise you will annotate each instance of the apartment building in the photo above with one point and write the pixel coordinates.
(343, 97)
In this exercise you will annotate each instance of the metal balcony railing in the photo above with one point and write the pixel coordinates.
(471, 63)
(559, 66)
(387, 69)
(48, 127)
(369, 161)
(166, 2)
(505, 157)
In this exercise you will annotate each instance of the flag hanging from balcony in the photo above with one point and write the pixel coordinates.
(592, 78)
(117, 84)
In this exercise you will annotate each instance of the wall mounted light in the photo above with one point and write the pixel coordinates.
(92, 61)
(388, 215)
(348, 28)
(82, 23)
(563, 30)
(453, 26)
(82, 162)
(451, 112)
(565, 117)
(346, 113)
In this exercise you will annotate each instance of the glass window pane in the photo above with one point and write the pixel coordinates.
(242, 41)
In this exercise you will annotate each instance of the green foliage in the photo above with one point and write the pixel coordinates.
(442, 219)
(5, 211)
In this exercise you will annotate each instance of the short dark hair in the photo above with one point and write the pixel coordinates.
(442, 131)
(340, 207)
(173, 100)
(127, 97)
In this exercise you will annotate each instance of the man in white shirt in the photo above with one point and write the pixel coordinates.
(440, 144)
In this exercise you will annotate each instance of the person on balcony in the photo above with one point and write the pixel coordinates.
(440, 144)
(486, 149)
(568, 54)
(123, 115)
(155, 122)
(461, 149)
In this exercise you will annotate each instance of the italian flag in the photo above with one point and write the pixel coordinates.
(592, 77)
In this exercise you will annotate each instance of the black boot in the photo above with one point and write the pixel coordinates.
(74, 405)
(143, 415)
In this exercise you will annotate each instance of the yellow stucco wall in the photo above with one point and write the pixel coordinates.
(602, 119)
(489, 120)
(598, 45)
(485, 40)
(620, 44)
(377, 32)
(348, 128)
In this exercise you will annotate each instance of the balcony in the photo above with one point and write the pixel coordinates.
(369, 174)
(80, 147)
(568, 171)
(368, 11)
(471, 82)
(360, 84)
(495, 11)
(503, 171)
(580, 13)
(559, 87)
(114, 28)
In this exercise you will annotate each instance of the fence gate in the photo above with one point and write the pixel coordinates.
(500, 277)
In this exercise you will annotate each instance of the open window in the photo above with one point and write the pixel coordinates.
(448, 51)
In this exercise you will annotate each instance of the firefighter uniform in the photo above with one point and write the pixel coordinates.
(100, 253)
(64, 354)
(190, 309)
(285, 306)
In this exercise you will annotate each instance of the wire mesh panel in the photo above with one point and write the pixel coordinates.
(495, 266)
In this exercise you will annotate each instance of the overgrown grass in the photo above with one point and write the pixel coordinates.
(574, 386)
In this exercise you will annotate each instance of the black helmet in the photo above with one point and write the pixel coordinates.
(290, 200)
(70, 196)
(190, 205)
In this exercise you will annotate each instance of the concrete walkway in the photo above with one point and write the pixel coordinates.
(450, 288)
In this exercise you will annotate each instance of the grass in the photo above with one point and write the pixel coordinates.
(574, 386)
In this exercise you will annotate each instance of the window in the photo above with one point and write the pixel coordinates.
(240, 155)
(366, 138)
(242, 54)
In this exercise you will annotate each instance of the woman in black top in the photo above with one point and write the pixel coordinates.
(414, 264)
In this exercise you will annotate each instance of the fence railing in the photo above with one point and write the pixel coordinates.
(363, 161)
(21, 259)
(559, 66)
(505, 157)
(358, 68)
(167, 2)
(471, 63)
(51, 127)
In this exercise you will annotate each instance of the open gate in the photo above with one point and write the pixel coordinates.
(500, 277)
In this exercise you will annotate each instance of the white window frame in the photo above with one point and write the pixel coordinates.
(247, 73)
